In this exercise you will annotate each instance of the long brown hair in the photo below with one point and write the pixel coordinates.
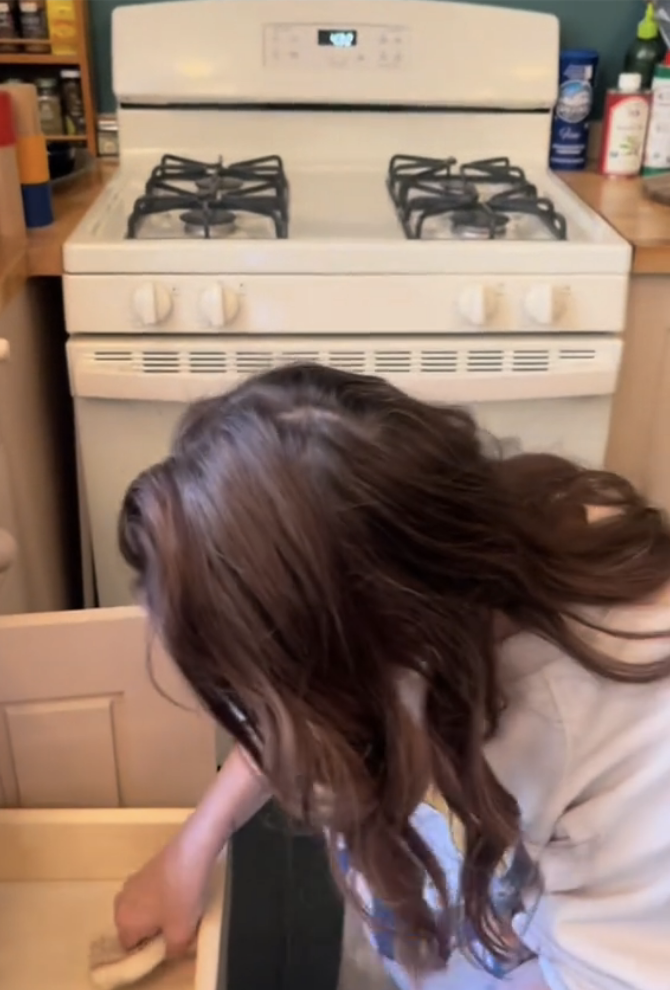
(312, 536)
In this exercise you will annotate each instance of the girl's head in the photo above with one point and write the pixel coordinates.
(328, 561)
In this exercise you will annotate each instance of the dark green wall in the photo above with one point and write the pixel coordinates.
(607, 25)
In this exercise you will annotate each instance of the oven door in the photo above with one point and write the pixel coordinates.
(540, 394)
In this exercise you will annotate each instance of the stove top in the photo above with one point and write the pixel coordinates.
(432, 199)
(293, 214)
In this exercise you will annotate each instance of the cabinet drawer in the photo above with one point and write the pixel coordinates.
(59, 873)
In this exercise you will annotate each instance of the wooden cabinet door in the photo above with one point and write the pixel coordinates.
(94, 714)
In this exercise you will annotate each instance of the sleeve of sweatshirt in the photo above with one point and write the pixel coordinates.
(598, 828)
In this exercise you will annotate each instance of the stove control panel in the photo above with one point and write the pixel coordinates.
(310, 306)
(348, 47)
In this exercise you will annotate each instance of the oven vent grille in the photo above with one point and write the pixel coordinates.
(353, 361)
(207, 362)
(393, 362)
(438, 362)
(161, 362)
(298, 357)
(490, 360)
(113, 357)
(571, 354)
(526, 360)
(456, 359)
(253, 362)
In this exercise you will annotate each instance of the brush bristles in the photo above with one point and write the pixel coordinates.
(110, 966)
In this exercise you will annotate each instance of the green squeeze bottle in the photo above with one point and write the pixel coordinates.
(647, 50)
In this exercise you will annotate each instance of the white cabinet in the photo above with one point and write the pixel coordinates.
(94, 714)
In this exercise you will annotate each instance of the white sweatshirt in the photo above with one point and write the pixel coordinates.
(588, 761)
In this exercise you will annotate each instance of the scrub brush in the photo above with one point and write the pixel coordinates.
(110, 966)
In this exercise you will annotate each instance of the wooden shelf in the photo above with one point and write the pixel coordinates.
(81, 138)
(16, 58)
(82, 60)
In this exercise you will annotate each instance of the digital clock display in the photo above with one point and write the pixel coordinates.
(337, 39)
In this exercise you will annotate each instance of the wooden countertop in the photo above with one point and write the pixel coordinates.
(41, 253)
(622, 202)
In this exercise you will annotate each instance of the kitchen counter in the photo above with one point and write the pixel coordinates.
(639, 441)
(41, 253)
(623, 204)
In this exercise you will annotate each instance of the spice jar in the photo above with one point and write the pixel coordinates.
(108, 136)
(9, 28)
(34, 24)
(49, 104)
(73, 101)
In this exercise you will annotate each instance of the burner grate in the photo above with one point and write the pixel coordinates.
(422, 188)
(524, 199)
(438, 189)
(210, 197)
(493, 170)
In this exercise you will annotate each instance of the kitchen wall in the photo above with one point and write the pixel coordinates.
(607, 25)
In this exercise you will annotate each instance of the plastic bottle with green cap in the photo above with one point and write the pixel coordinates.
(648, 48)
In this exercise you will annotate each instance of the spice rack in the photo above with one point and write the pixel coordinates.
(80, 60)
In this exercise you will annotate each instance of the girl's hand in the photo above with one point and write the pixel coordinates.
(166, 896)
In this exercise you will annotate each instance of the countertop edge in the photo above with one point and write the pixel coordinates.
(41, 251)
(623, 204)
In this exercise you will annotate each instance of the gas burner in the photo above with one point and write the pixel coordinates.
(212, 184)
(479, 223)
(480, 199)
(211, 198)
(207, 220)
(424, 188)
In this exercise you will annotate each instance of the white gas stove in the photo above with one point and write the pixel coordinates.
(339, 181)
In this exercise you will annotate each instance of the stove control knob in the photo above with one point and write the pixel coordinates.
(218, 306)
(544, 304)
(152, 303)
(476, 304)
